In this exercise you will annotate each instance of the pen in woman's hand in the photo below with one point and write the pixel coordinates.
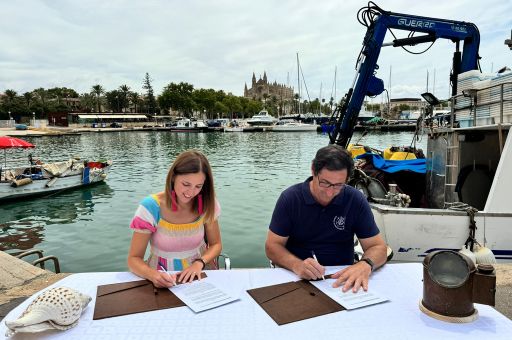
(163, 269)
(314, 257)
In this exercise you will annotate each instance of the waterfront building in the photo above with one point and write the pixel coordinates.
(262, 90)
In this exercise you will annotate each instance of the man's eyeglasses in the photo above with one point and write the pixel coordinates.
(326, 184)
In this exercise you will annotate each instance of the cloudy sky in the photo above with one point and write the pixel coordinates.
(219, 44)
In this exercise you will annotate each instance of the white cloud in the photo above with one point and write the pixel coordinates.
(218, 44)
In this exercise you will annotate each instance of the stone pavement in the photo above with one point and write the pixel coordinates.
(19, 280)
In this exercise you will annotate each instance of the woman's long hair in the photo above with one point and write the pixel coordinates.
(191, 162)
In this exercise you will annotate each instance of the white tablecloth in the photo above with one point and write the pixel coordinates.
(400, 318)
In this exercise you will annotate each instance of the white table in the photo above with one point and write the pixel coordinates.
(400, 318)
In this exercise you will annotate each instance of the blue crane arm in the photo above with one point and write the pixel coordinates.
(366, 83)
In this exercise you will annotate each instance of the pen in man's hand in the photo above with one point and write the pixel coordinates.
(314, 256)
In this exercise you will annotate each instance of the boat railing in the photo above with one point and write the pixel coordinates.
(484, 106)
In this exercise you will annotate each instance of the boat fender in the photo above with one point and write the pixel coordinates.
(468, 253)
(21, 182)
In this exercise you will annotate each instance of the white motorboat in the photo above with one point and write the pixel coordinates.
(263, 118)
(233, 129)
(293, 126)
(188, 125)
(45, 178)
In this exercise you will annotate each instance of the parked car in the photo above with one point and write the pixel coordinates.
(116, 125)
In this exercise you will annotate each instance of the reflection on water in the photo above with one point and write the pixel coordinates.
(88, 229)
(22, 225)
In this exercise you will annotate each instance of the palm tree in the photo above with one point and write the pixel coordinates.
(28, 98)
(297, 97)
(98, 90)
(125, 90)
(331, 102)
(87, 101)
(134, 98)
(11, 95)
(42, 94)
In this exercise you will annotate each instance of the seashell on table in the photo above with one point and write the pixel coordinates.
(57, 308)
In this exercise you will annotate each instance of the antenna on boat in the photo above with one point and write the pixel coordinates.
(427, 81)
(434, 85)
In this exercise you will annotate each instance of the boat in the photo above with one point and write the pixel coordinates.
(458, 197)
(40, 179)
(234, 129)
(188, 125)
(233, 126)
(286, 125)
(467, 183)
(262, 118)
(365, 116)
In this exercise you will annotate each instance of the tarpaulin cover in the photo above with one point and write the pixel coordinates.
(391, 166)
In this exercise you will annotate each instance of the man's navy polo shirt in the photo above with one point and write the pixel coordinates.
(328, 231)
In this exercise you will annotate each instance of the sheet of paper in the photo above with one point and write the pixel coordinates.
(202, 295)
(349, 300)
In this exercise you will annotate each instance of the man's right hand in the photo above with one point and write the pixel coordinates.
(309, 269)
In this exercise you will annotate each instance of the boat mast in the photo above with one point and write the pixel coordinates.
(320, 100)
(298, 83)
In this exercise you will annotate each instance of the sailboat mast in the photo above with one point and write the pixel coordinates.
(335, 71)
(389, 98)
(320, 100)
(298, 83)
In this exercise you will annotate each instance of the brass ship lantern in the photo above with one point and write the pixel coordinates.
(452, 283)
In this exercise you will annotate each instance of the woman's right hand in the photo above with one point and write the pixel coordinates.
(163, 279)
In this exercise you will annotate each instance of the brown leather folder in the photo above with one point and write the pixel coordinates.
(133, 297)
(294, 301)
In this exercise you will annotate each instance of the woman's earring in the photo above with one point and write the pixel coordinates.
(174, 206)
(200, 204)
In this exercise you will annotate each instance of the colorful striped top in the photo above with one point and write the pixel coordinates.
(176, 246)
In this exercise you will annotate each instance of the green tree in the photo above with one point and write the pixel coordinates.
(265, 97)
(98, 90)
(296, 97)
(205, 100)
(150, 100)
(404, 107)
(232, 104)
(28, 96)
(10, 96)
(253, 107)
(125, 90)
(11, 103)
(42, 100)
(113, 99)
(87, 102)
(220, 108)
(177, 97)
(134, 99)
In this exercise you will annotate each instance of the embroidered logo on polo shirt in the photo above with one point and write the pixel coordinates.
(339, 222)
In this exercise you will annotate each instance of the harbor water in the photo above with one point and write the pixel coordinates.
(88, 228)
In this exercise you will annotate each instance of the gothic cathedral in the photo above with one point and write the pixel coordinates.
(262, 86)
